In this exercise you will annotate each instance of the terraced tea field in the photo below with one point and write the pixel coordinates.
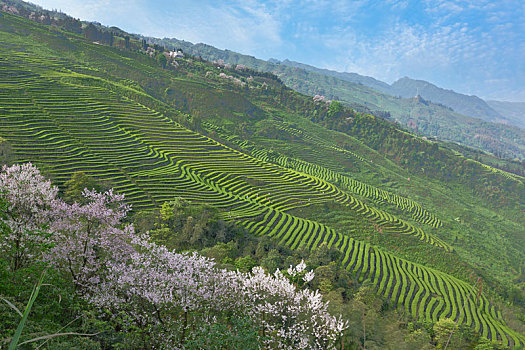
(68, 121)
(375, 194)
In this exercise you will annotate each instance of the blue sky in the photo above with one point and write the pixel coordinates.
(474, 47)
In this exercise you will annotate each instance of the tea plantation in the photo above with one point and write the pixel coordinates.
(71, 106)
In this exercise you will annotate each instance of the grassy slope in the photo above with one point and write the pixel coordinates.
(115, 99)
(426, 118)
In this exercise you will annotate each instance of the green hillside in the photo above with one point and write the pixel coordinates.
(472, 106)
(350, 77)
(423, 117)
(417, 221)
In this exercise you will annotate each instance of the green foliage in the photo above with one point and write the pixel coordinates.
(222, 252)
(162, 60)
(442, 331)
(76, 185)
(238, 334)
(6, 152)
(272, 260)
(18, 332)
(56, 317)
(335, 109)
(181, 225)
(245, 263)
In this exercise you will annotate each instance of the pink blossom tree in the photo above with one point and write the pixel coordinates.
(29, 198)
(166, 291)
(87, 236)
(296, 318)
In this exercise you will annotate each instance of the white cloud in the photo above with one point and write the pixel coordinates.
(457, 48)
(244, 26)
(401, 49)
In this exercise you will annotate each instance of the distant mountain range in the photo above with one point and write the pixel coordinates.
(351, 77)
(436, 112)
(514, 112)
(470, 105)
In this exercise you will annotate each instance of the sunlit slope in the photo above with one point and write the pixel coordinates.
(345, 182)
(51, 118)
(130, 142)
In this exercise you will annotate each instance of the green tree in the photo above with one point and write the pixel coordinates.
(91, 32)
(163, 61)
(238, 334)
(172, 212)
(335, 108)
(76, 185)
(442, 332)
(484, 344)
(245, 263)
(272, 260)
(6, 152)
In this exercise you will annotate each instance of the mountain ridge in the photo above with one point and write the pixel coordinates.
(429, 119)
(465, 104)
(514, 112)
(347, 76)
(406, 87)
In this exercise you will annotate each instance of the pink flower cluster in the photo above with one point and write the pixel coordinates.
(86, 236)
(319, 98)
(157, 286)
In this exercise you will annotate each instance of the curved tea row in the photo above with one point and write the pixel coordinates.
(378, 195)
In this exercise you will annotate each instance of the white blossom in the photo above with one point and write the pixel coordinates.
(300, 267)
(308, 276)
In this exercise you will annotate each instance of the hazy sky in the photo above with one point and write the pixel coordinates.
(474, 47)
